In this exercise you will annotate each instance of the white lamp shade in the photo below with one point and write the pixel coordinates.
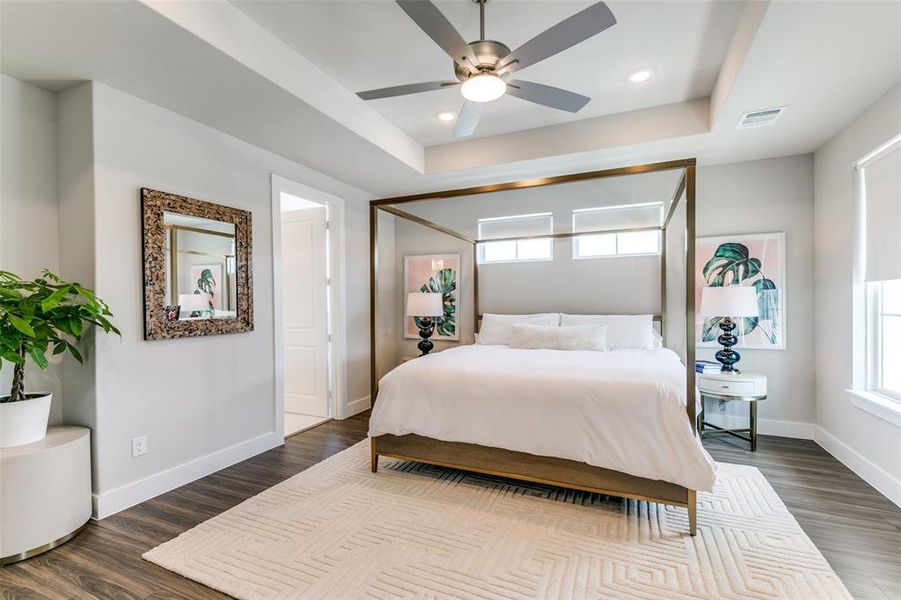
(728, 301)
(425, 305)
(192, 302)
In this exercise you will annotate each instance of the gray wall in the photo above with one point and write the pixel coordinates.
(601, 285)
(29, 237)
(760, 197)
(868, 444)
(80, 158)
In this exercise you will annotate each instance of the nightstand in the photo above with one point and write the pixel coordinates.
(743, 387)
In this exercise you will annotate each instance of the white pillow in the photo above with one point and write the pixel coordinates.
(495, 329)
(580, 337)
(623, 331)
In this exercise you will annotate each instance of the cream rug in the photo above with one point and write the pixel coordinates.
(412, 531)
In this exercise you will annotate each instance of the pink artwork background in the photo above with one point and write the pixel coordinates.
(770, 249)
(417, 270)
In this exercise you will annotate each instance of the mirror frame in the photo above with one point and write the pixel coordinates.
(153, 204)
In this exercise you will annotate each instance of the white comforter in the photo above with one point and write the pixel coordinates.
(622, 410)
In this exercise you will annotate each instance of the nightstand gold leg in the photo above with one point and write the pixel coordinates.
(753, 425)
(373, 456)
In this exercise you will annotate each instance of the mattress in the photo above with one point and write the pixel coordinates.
(623, 410)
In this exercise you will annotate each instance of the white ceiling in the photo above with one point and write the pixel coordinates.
(291, 93)
(373, 44)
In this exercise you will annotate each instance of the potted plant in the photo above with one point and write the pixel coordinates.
(38, 318)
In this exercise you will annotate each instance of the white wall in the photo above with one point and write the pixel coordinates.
(869, 445)
(759, 197)
(202, 402)
(29, 235)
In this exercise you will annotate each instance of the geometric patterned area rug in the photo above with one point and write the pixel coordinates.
(415, 531)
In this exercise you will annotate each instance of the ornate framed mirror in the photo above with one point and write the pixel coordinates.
(198, 277)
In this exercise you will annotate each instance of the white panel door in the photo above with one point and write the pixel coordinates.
(305, 291)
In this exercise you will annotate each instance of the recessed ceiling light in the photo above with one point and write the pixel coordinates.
(446, 115)
(639, 75)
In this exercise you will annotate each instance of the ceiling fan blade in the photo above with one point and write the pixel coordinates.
(436, 26)
(565, 34)
(468, 119)
(404, 90)
(547, 95)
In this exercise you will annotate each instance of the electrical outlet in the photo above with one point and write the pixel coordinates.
(138, 446)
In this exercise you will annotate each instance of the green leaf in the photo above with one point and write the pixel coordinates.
(75, 326)
(767, 304)
(20, 324)
(54, 299)
(74, 352)
(730, 259)
(59, 347)
(12, 357)
(38, 357)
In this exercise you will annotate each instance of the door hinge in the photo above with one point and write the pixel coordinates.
(328, 224)
(328, 281)
(328, 338)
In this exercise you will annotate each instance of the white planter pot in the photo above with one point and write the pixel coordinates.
(24, 422)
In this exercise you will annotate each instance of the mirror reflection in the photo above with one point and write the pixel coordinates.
(200, 268)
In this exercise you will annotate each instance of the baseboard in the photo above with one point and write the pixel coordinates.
(790, 429)
(879, 478)
(357, 406)
(120, 498)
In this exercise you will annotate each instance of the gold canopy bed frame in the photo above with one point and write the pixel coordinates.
(520, 465)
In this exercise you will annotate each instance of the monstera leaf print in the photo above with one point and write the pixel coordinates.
(206, 283)
(444, 282)
(730, 259)
(732, 264)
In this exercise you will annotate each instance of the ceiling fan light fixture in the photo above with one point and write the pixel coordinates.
(641, 75)
(484, 87)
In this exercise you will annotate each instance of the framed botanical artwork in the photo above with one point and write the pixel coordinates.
(754, 260)
(207, 279)
(435, 273)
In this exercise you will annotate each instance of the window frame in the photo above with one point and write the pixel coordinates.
(480, 253)
(874, 331)
(576, 255)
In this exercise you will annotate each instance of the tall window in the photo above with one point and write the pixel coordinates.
(509, 231)
(621, 243)
(880, 176)
(884, 341)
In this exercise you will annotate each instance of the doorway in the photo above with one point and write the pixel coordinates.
(303, 265)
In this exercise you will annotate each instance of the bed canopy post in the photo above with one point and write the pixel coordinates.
(691, 396)
(373, 297)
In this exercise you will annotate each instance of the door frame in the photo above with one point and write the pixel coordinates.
(337, 296)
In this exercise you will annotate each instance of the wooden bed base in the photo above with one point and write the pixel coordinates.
(537, 469)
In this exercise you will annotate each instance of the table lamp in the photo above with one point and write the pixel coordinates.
(424, 306)
(728, 302)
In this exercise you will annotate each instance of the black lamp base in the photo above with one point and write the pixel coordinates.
(425, 345)
(727, 356)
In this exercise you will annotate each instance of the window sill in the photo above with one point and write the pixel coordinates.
(877, 405)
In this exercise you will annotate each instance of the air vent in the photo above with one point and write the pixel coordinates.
(760, 118)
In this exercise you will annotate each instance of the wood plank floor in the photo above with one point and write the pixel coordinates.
(856, 528)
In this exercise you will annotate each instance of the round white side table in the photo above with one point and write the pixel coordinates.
(45, 492)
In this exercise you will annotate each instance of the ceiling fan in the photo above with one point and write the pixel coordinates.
(483, 67)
